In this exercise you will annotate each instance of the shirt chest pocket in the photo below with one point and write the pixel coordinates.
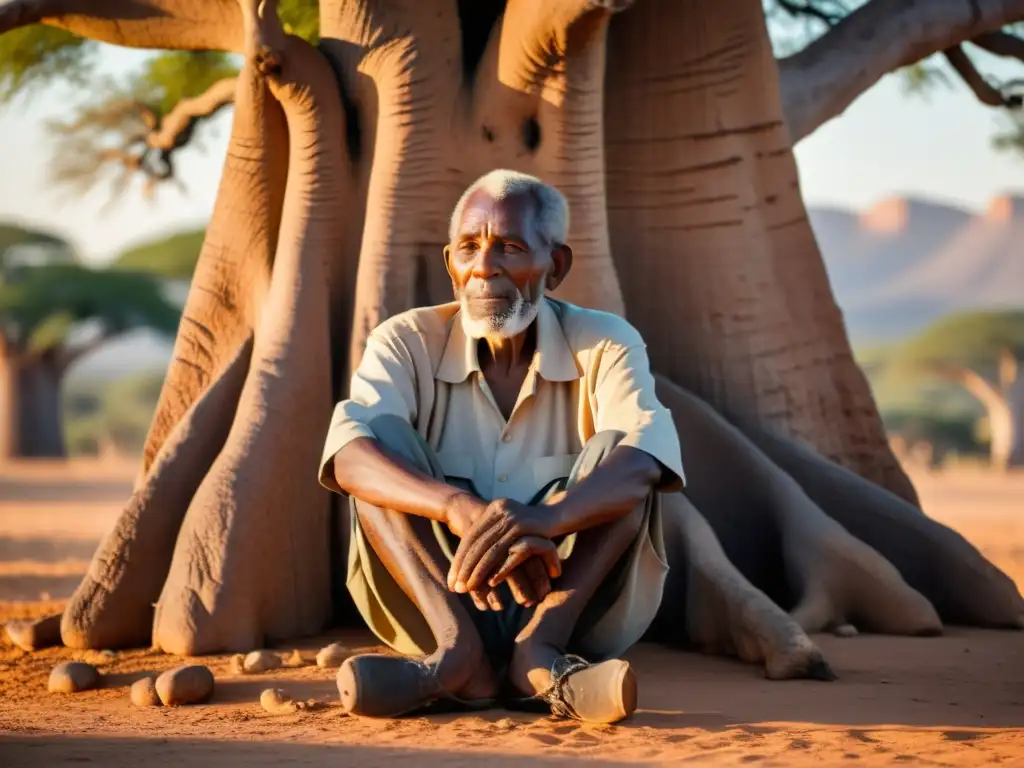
(547, 470)
(458, 470)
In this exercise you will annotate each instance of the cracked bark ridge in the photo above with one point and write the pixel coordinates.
(666, 131)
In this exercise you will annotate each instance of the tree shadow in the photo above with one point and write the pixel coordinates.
(31, 752)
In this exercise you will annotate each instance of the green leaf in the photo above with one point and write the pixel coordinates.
(171, 257)
(973, 340)
(31, 297)
(50, 333)
(169, 77)
(301, 18)
(35, 56)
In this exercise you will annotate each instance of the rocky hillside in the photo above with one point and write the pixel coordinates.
(906, 261)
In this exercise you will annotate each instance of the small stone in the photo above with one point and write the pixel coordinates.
(185, 685)
(296, 660)
(34, 634)
(845, 630)
(144, 693)
(331, 656)
(260, 661)
(277, 702)
(72, 677)
(238, 664)
(108, 654)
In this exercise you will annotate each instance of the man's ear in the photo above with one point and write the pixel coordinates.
(448, 260)
(561, 263)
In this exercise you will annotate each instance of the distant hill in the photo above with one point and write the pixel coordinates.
(907, 261)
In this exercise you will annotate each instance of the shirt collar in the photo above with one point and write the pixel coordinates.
(553, 359)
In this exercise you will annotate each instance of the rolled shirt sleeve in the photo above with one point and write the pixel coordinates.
(626, 401)
(383, 384)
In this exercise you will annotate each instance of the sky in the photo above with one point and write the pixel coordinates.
(887, 143)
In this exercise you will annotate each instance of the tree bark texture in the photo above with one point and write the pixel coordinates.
(663, 126)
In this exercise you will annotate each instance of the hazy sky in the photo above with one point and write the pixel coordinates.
(887, 143)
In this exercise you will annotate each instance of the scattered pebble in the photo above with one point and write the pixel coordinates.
(72, 677)
(108, 654)
(185, 685)
(260, 661)
(296, 660)
(331, 656)
(277, 702)
(845, 630)
(144, 693)
(34, 634)
(238, 664)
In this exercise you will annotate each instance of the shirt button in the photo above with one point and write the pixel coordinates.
(502, 478)
(506, 438)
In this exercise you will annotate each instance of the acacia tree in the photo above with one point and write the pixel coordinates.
(41, 307)
(981, 352)
(664, 126)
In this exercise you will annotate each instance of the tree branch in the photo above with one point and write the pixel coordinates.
(1001, 44)
(985, 91)
(984, 390)
(172, 24)
(823, 79)
(176, 127)
(70, 355)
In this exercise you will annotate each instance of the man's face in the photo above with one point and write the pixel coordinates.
(500, 265)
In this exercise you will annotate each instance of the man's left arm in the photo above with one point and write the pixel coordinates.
(647, 458)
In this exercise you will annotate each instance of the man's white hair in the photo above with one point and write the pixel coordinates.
(551, 211)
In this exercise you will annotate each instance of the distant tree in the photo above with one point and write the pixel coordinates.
(983, 353)
(173, 257)
(50, 316)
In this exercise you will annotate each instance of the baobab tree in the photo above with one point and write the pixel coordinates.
(51, 316)
(664, 123)
(981, 352)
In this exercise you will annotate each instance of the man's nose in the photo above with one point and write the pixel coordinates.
(487, 263)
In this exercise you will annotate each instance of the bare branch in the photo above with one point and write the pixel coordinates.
(172, 24)
(131, 134)
(808, 9)
(177, 126)
(985, 91)
(823, 79)
(1001, 44)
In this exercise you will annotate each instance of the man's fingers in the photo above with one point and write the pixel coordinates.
(479, 599)
(549, 556)
(537, 574)
(494, 600)
(516, 557)
(488, 563)
(521, 589)
(478, 540)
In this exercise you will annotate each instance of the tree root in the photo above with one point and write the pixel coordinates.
(781, 540)
(964, 587)
(724, 612)
(113, 605)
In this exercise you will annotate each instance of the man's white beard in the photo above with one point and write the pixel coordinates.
(504, 325)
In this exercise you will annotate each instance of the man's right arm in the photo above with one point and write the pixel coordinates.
(365, 470)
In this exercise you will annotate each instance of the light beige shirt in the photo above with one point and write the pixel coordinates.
(590, 373)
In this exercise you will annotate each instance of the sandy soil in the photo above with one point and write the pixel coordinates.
(952, 700)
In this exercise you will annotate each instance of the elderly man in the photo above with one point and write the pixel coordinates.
(504, 456)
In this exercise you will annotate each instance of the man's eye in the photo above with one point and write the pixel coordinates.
(469, 246)
(514, 247)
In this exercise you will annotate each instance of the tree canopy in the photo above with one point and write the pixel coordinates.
(134, 127)
(41, 306)
(970, 340)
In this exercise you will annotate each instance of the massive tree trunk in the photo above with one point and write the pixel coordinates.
(663, 127)
(30, 406)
